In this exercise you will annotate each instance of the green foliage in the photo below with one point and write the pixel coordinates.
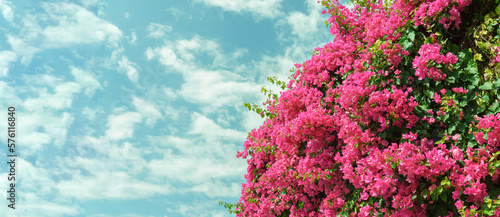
(231, 208)
(263, 112)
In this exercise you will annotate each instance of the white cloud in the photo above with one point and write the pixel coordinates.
(87, 3)
(251, 120)
(43, 184)
(187, 49)
(76, 25)
(177, 13)
(110, 185)
(206, 163)
(147, 110)
(198, 208)
(44, 208)
(122, 215)
(133, 37)
(156, 30)
(6, 57)
(61, 99)
(183, 55)
(7, 12)
(200, 171)
(213, 88)
(112, 173)
(71, 25)
(260, 8)
(129, 67)
(216, 89)
(44, 121)
(38, 188)
(122, 126)
(44, 80)
(198, 165)
(91, 113)
(169, 93)
(210, 130)
(304, 25)
(41, 128)
(86, 80)
(108, 178)
(218, 189)
(9, 94)
(166, 55)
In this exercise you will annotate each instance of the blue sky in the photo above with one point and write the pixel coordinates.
(135, 108)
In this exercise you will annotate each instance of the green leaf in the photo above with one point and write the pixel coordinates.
(494, 107)
(429, 93)
(471, 67)
(425, 193)
(497, 165)
(463, 103)
(411, 35)
(444, 197)
(491, 169)
(474, 79)
(488, 212)
(434, 197)
(453, 48)
(452, 127)
(486, 98)
(478, 57)
(440, 190)
(486, 86)
(406, 44)
(429, 40)
(496, 84)
(421, 200)
(451, 79)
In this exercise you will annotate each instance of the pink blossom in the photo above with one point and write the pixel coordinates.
(459, 204)
(437, 98)
(443, 91)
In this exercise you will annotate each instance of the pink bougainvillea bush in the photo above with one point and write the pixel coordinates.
(398, 115)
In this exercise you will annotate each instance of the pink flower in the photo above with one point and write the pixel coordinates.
(456, 194)
(498, 55)
(479, 138)
(410, 136)
(459, 90)
(457, 153)
(443, 91)
(431, 120)
(437, 98)
(459, 204)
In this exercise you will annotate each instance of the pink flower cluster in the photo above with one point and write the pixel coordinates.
(492, 123)
(498, 55)
(425, 64)
(331, 146)
(460, 90)
(447, 11)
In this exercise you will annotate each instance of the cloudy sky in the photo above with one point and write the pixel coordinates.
(135, 108)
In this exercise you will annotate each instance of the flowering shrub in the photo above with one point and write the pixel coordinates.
(397, 116)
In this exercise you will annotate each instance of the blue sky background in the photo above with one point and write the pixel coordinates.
(135, 108)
